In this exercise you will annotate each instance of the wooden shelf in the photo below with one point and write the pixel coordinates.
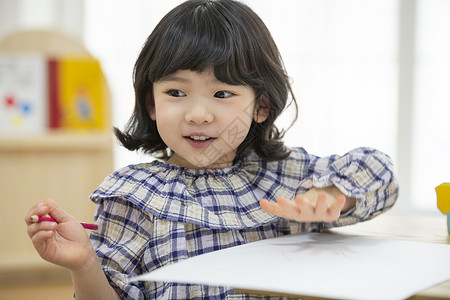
(63, 165)
(57, 141)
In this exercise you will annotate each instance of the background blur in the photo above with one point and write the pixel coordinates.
(371, 72)
(365, 73)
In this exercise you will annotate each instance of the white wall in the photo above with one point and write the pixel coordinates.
(64, 15)
(430, 147)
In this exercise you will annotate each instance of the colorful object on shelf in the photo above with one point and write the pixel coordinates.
(443, 200)
(79, 102)
(38, 92)
(23, 100)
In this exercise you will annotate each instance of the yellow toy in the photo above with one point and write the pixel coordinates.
(443, 200)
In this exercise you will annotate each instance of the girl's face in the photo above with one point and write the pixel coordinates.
(201, 119)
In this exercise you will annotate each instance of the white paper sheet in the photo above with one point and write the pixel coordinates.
(320, 265)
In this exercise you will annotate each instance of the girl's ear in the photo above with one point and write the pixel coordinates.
(150, 108)
(151, 113)
(262, 109)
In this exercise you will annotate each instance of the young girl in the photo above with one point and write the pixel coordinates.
(209, 85)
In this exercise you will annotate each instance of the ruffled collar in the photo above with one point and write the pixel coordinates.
(226, 198)
(196, 172)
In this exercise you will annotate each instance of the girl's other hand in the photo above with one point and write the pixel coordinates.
(64, 242)
(316, 205)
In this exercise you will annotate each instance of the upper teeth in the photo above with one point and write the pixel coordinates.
(198, 138)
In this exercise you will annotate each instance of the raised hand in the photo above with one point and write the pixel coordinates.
(315, 207)
(63, 242)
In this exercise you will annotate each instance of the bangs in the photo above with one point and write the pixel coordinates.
(199, 40)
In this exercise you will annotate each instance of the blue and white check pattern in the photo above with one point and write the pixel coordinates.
(154, 214)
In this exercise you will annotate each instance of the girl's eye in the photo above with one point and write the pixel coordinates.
(176, 93)
(223, 94)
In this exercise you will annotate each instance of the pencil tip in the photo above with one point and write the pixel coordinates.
(34, 218)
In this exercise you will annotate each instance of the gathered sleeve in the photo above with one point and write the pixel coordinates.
(119, 242)
(364, 174)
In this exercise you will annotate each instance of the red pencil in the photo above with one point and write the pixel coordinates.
(37, 219)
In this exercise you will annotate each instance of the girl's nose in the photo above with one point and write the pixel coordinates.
(199, 113)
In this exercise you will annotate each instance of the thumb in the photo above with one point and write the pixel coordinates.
(56, 212)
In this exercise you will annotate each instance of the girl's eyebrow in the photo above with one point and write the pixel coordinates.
(173, 78)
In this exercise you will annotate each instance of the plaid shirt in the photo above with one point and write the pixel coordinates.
(154, 214)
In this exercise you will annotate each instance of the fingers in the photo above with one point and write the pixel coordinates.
(302, 210)
(289, 209)
(47, 207)
(334, 211)
(282, 208)
(55, 211)
(42, 230)
(39, 209)
(321, 208)
(270, 207)
(306, 209)
(327, 213)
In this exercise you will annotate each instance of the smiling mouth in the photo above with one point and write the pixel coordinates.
(199, 138)
(199, 141)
